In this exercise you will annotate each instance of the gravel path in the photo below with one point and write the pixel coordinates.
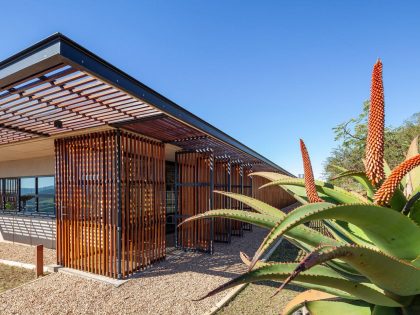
(25, 253)
(167, 288)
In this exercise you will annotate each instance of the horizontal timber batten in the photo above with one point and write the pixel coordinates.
(110, 195)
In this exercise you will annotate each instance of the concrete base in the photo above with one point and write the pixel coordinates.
(91, 276)
(53, 268)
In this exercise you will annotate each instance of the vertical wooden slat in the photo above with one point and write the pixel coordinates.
(87, 202)
(194, 181)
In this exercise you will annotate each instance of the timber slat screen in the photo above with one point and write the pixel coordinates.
(247, 191)
(194, 194)
(222, 182)
(237, 187)
(273, 195)
(110, 202)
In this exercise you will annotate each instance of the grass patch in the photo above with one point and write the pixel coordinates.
(256, 299)
(11, 277)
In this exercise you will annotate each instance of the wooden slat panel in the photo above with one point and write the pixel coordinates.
(82, 204)
(194, 194)
(87, 208)
(222, 182)
(238, 188)
(247, 191)
(143, 209)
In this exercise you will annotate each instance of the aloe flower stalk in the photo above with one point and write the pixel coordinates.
(310, 187)
(376, 125)
(387, 190)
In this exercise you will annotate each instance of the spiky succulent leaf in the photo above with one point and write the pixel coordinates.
(273, 236)
(340, 267)
(271, 176)
(389, 230)
(323, 278)
(338, 194)
(399, 278)
(343, 230)
(413, 177)
(361, 178)
(258, 219)
(302, 234)
(298, 192)
(257, 205)
(338, 307)
(303, 298)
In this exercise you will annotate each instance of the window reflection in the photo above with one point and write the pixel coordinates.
(46, 191)
(28, 194)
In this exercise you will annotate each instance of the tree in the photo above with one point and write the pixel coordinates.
(351, 136)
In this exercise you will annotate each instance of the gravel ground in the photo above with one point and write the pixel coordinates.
(25, 253)
(167, 288)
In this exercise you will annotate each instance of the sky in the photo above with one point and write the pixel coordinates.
(266, 72)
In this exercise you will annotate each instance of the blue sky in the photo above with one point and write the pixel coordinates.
(266, 72)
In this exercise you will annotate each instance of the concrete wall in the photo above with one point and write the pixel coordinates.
(28, 229)
(30, 167)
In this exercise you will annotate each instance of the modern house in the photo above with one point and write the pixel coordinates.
(101, 167)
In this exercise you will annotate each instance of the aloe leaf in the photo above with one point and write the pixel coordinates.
(301, 299)
(299, 193)
(274, 235)
(255, 204)
(413, 177)
(361, 178)
(395, 276)
(415, 209)
(343, 230)
(338, 307)
(387, 169)
(339, 194)
(296, 192)
(325, 280)
(389, 230)
(301, 234)
(270, 175)
(258, 219)
(340, 168)
(398, 200)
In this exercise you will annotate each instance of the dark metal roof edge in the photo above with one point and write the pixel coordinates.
(30, 50)
(73, 52)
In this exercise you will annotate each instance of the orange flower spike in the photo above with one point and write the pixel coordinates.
(309, 175)
(385, 193)
(376, 125)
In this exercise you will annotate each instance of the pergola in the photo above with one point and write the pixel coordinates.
(109, 185)
(57, 86)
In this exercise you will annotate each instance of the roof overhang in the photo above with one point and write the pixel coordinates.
(56, 81)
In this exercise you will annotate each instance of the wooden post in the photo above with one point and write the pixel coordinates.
(39, 260)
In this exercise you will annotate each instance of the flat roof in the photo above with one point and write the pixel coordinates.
(57, 80)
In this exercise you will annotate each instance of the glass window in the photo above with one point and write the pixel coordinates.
(28, 200)
(9, 191)
(46, 192)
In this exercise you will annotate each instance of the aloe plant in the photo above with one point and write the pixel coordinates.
(370, 261)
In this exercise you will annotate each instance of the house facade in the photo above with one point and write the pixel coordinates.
(102, 168)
